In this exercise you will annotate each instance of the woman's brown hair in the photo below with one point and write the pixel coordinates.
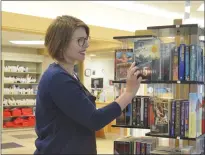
(59, 34)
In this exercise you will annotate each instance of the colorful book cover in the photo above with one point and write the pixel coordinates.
(162, 109)
(199, 115)
(123, 60)
(193, 99)
(187, 61)
(193, 63)
(175, 64)
(147, 57)
(182, 48)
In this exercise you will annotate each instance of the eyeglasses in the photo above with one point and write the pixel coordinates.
(83, 40)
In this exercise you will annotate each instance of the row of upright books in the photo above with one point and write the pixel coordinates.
(150, 145)
(135, 145)
(184, 118)
(162, 61)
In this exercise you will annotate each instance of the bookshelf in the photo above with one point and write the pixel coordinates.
(20, 76)
(171, 60)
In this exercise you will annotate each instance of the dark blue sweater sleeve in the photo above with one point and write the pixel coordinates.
(70, 98)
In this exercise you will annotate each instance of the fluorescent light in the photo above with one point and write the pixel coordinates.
(187, 9)
(201, 38)
(92, 55)
(28, 42)
(201, 8)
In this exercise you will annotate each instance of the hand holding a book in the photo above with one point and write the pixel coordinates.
(133, 80)
(132, 86)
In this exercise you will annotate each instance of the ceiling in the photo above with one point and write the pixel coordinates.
(123, 15)
(107, 14)
(177, 6)
(8, 36)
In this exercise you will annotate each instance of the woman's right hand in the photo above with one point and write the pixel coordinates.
(132, 87)
(133, 83)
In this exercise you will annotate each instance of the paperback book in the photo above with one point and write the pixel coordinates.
(123, 60)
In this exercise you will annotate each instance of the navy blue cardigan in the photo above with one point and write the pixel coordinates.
(66, 116)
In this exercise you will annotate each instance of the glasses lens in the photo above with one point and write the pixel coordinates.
(81, 41)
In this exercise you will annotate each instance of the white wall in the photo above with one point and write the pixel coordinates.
(99, 64)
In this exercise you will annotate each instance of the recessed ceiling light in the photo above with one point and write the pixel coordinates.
(27, 42)
(201, 8)
(92, 55)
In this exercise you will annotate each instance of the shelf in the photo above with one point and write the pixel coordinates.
(19, 128)
(172, 26)
(134, 38)
(22, 73)
(18, 116)
(166, 82)
(20, 83)
(174, 137)
(10, 106)
(19, 94)
(129, 126)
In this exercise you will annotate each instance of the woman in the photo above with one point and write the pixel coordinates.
(66, 116)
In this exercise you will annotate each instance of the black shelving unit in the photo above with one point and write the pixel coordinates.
(134, 38)
(161, 81)
(160, 33)
(174, 137)
(129, 126)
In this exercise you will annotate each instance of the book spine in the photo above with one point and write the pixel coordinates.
(187, 61)
(138, 111)
(175, 64)
(173, 118)
(161, 73)
(186, 115)
(182, 119)
(193, 63)
(177, 118)
(204, 65)
(146, 111)
(134, 111)
(172, 47)
(181, 62)
(138, 147)
(143, 148)
(152, 115)
(203, 117)
(142, 112)
(148, 148)
(199, 64)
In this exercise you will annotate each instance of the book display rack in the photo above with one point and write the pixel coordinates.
(171, 63)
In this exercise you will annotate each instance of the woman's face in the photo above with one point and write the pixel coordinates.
(77, 48)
